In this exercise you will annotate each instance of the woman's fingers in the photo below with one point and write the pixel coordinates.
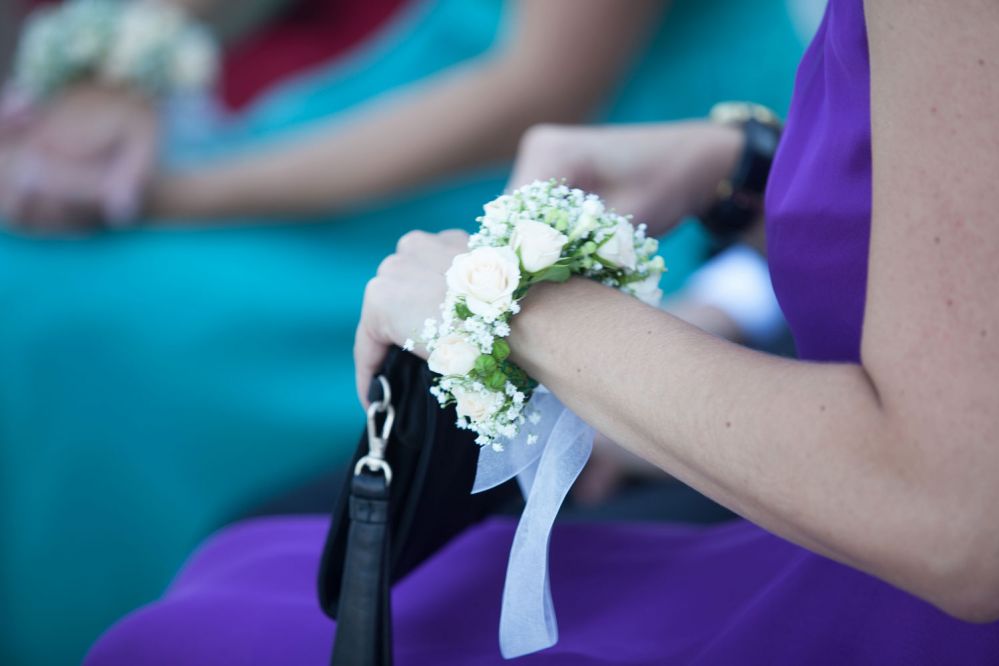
(130, 171)
(369, 353)
(432, 251)
(407, 290)
(60, 198)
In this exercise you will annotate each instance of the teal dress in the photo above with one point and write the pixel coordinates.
(156, 383)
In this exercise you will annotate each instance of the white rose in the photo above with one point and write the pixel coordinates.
(648, 290)
(142, 34)
(453, 355)
(486, 277)
(538, 245)
(477, 405)
(193, 62)
(619, 249)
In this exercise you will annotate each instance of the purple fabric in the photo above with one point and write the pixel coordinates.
(625, 594)
(638, 594)
(819, 193)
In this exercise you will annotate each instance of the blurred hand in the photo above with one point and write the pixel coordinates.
(80, 162)
(611, 466)
(659, 173)
(408, 289)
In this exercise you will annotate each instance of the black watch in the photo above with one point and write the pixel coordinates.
(740, 196)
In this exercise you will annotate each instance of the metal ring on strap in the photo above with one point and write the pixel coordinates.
(377, 441)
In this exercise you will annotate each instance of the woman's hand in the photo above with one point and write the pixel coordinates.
(82, 161)
(408, 289)
(659, 173)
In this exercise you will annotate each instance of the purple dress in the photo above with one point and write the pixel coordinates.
(625, 593)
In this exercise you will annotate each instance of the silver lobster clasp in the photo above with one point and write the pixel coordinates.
(378, 440)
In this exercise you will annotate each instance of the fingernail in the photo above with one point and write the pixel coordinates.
(15, 106)
(121, 207)
(26, 175)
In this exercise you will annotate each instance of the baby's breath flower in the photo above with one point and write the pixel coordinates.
(596, 242)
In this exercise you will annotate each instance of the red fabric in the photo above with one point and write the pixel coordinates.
(305, 34)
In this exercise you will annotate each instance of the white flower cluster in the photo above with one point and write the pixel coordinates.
(543, 232)
(145, 44)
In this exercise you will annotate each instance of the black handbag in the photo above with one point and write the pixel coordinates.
(407, 494)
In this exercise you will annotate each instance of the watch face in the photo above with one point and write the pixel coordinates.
(768, 142)
(741, 112)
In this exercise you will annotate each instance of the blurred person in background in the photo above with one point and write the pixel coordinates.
(156, 381)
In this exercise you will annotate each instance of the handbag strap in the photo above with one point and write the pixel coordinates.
(364, 618)
(364, 622)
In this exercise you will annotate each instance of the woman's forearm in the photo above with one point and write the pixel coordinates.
(470, 118)
(561, 61)
(803, 449)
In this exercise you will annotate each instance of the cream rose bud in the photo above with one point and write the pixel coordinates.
(648, 290)
(619, 249)
(593, 206)
(453, 355)
(486, 277)
(587, 220)
(538, 245)
(477, 405)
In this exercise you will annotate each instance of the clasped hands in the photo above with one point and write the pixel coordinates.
(78, 163)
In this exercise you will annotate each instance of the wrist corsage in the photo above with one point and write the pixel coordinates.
(542, 232)
(147, 45)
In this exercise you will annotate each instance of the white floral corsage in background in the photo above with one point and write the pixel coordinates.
(151, 46)
(542, 232)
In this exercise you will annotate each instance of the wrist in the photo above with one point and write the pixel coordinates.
(738, 202)
(684, 163)
(719, 148)
(539, 309)
(183, 195)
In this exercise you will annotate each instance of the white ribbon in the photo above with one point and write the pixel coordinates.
(545, 471)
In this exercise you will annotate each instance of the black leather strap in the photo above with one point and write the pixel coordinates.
(740, 200)
(364, 620)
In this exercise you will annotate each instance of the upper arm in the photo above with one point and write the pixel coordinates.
(233, 19)
(577, 49)
(932, 317)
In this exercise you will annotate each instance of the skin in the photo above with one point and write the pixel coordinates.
(889, 466)
(391, 144)
(400, 141)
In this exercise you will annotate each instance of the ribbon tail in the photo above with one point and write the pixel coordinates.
(527, 620)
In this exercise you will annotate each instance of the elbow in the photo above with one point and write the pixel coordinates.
(965, 583)
(976, 602)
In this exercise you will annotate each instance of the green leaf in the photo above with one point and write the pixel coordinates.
(501, 349)
(557, 218)
(485, 365)
(462, 311)
(517, 376)
(496, 381)
(554, 273)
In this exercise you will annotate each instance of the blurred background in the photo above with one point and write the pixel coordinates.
(160, 381)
